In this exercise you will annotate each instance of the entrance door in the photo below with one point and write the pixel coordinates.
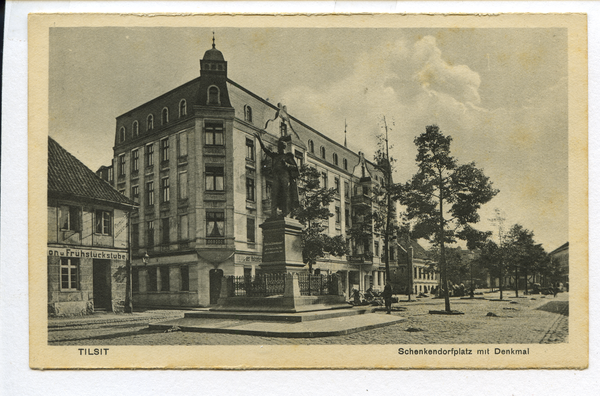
(216, 276)
(101, 276)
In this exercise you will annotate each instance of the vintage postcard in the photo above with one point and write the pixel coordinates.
(365, 191)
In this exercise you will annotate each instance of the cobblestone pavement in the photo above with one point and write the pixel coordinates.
(529, 320)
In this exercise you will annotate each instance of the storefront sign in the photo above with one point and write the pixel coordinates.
(243, 258)
(87, 253)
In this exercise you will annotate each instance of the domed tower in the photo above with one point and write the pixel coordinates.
(213, 73)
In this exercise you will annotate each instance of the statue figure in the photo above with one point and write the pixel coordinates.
(284, 191)
(282, 113)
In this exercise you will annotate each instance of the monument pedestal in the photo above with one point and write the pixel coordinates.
(282, 246)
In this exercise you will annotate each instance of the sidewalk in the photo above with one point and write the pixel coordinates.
(99, 318)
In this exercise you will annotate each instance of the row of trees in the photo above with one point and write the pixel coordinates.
(517, 255)
(441, 200)
(441, 203)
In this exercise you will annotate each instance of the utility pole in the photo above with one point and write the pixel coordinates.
(498, 220)
(388, 183)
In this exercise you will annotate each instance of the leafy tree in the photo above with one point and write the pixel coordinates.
(443, 197)
(524, 255)
(491, 258)
(551, 269)
(313, 212)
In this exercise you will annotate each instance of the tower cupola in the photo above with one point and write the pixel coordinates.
(213, 62)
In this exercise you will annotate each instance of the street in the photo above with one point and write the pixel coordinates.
(531, 320)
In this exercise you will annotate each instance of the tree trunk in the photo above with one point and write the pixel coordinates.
(516, 281)
(501, 280)
(443, 250)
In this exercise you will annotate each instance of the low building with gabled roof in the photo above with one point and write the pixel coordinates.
(88, 226)
(413, 274)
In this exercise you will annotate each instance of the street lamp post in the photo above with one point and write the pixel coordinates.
(128, 308)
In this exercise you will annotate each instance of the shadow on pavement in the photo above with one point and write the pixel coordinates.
(558, 307)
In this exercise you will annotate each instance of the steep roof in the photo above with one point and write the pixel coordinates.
(418, 251)
(69, 177)
(560, 249)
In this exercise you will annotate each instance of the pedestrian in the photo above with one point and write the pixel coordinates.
(555, 289)
(387, 297)
(356, 296)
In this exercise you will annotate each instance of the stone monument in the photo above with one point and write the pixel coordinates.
(282, 235)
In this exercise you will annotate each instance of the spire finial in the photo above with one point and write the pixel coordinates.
(213, 39)
(345, 127)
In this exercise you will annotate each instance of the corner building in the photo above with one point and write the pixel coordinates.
(190, 159)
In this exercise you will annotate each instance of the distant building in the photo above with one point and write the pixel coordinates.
(87, 238)
(560, 256)
(414, 272)
(190, 159)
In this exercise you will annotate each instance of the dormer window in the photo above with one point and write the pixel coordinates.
(248, 114)
(182, 108)
(345, 162)
(164, 118)
(311, 146)
(150, 122)
(335, 158)
(136, 129)
(323, 152)
(122, 134)
(213, 96)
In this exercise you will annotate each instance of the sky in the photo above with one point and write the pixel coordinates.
(500, 93)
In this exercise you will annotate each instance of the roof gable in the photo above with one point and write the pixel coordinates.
(67, 176)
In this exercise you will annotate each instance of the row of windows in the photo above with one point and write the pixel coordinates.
(214, 98)
(162, 273)
(311, 149)
(164, 119)
(164, 145)
(165, 190)
(420, 273)
(215, 230)
(69, 219)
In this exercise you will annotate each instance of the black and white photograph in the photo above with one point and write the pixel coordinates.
(315, 183)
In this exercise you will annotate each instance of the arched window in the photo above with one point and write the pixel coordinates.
(150, 122)
(164, 116)
(322, 152)
(182, 108)
(248, 114)
(213, 95)
(311, 146)
(345, 162)
(122, 134)
(136, 129)
(335, 158)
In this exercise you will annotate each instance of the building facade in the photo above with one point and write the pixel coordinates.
(191, 160)
(87, 238)
(414, 273)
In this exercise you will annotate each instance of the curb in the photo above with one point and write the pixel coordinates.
(57, 325)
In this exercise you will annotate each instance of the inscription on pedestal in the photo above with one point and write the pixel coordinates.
(273, 247)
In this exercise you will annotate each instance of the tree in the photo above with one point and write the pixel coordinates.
(385, 196)
(313, 212)
(524, 255)
(443, 197)
(491, 257)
